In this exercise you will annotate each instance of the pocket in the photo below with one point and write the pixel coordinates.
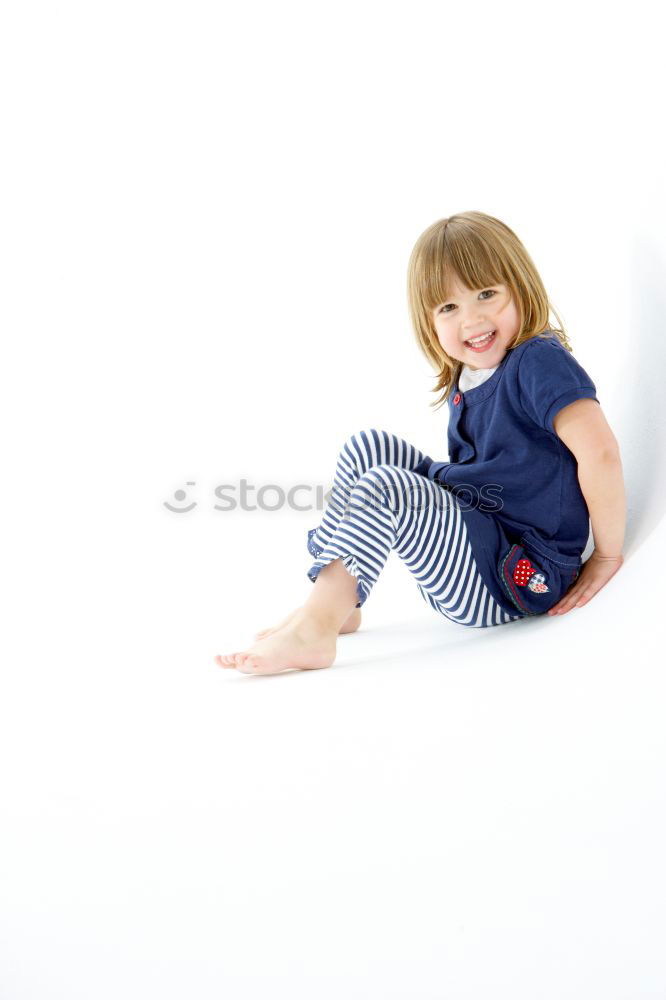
(533, 582)
(535, 545)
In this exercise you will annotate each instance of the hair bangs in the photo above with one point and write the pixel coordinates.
(458, 254)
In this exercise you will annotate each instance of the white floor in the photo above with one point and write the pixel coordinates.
(443, 813)
(207, 215)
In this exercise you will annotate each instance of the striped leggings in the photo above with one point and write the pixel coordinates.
(378, 504)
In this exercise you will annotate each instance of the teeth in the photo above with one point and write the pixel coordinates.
(481, 340)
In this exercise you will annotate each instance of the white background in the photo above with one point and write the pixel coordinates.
(206, 216)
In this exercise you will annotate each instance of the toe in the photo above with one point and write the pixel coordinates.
(248, 665)
(229, 659)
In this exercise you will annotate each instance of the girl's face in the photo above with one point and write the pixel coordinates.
(467, 315)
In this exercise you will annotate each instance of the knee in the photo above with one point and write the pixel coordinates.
(380, 486)
(370, 441)
(395, 486)
(362, 438)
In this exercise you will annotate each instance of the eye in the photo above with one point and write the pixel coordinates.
(492, 291)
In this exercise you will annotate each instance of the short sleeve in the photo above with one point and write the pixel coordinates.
(549, 378)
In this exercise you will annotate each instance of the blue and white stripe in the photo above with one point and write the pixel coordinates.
(378, 504)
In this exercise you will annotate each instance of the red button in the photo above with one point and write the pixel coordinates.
(456, 399)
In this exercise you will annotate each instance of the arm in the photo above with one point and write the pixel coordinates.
(583, 428)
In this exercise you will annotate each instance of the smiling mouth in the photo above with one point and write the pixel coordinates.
(481, 341)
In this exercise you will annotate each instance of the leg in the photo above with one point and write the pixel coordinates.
(394, 507)
(383, 510)
(435, 547)
(334, 598)
(360, 452)
(342, 578)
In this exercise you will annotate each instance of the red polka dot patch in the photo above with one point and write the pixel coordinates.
(525, 575)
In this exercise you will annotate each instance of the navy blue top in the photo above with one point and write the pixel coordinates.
(516, 481)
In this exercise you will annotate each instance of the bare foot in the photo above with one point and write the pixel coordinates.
(350, 625)
(302, 644)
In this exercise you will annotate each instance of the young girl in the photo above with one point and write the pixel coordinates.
(496, 533)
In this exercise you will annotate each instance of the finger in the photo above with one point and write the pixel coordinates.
(563, 603)
(567, 603)
(586, 597)
(576, 600)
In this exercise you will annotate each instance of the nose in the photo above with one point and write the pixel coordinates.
(474, 323)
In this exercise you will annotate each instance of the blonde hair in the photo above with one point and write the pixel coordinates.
(480, 251)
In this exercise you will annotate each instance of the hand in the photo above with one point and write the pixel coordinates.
(595, 574)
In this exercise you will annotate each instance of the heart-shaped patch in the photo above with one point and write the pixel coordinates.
(526, 575)
(523, 570)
